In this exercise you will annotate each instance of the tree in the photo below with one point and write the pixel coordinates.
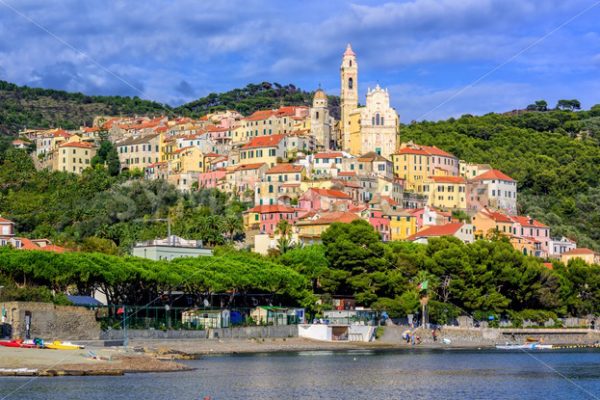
(232, 224)
(570, 105)
(108, 156)
(284, 230)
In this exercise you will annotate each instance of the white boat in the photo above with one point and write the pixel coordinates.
(526, 346)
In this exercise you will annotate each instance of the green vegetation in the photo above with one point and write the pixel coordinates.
(100, 212)
(481, 279)
(252, 98)
(555, 156)
(25, 107)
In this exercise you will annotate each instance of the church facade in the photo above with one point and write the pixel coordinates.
(372, 128)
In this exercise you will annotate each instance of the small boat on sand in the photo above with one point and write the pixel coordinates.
(58, 345)
(526, 346)
(10, 343)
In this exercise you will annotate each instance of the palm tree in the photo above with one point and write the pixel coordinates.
(284, 229)
(232, 224)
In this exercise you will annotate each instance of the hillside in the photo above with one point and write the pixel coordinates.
(25, 107)
(253, 97)
(555, 156)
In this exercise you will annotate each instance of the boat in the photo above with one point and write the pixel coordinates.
(58, 345)
(10, 343)
(526, 346)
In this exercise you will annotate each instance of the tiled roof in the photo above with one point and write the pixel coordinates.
(81, 145)
(271, 208)
(332, 193)
(137, 140)
(528, 222)
(371, 156)
(330, 217)
(260, 115)
(5, 221)
(447, 179)
(493, 174)
(264, 141)
(285, 168)
(579, 252)
(347, 173)
(424, 150)
(329, 155)
(438, 230)
(497, 216)
(245, 167)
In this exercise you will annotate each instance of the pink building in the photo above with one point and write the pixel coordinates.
(528, 227)
(380, 223)
(270, 215)
(323, 199)
(211, 179)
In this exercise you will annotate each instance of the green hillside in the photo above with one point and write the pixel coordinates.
(24, 107)
(555, 156)
(253, 97)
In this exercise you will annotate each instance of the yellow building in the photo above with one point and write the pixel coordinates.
(372, 128)
(139, 152)
(402, 224)
(445, 192)
(311, 227)
(188, 159)
(415, 163)
(587, 255)
(74, 156)
(264, 149)
(486, 222)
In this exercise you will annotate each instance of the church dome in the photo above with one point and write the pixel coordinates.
(320, 95)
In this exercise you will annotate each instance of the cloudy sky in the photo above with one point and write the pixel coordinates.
(427, 52)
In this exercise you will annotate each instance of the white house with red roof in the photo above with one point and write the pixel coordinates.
(459, 230)
(492, 189)
(328, 163)
(7, 228)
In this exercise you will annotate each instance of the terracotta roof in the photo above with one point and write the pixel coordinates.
(371, 156)
(245, 167)
(27, 244)
(347, 173)
(438, 230)
(493, 174)
(331, 193)
(579, 252)
(330, 217)
(389, 200)
(447, 179)
(183, 149)
(264, 141)
(528, 222)
(329, 155)
(497, 216)
(424, 150)
(81, 145)
(271, 208)
(137, 140)
(5, 221)
(548, 265)
(285, 168)
(260, 115)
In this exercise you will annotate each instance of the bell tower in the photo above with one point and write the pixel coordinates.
(348, 94)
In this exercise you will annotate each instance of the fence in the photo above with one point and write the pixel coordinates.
(184, 318)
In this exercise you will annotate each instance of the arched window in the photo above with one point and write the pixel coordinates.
(317, 115)
(350, 62)
(377, 119)
(350, 83)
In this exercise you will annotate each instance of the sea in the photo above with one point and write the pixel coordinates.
(372, 375)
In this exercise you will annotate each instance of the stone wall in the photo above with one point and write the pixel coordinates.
(470, 337)
(248, 332)
(50, 322)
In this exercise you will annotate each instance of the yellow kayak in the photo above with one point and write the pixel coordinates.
(58, 345)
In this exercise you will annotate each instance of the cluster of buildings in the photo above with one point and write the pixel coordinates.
(302, 165)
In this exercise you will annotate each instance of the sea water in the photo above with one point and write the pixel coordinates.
(408, 374)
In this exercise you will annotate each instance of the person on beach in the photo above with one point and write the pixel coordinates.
(434, 334)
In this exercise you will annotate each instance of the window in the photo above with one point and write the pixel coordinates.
(350, 83)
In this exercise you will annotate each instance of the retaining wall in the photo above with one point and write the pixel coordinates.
(248, 332)
(49, 321)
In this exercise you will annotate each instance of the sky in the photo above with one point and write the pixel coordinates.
(438, 58)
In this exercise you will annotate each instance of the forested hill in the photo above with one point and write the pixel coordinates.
(253, 97)
(24, 107)
(554, 154)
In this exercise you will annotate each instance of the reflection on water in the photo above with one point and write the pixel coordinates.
(418, 374)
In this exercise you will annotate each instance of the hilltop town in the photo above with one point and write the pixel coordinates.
(300, 165)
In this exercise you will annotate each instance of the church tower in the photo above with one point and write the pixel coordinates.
(320, 121)
(349, 94)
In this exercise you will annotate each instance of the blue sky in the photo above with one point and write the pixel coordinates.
(426, 52)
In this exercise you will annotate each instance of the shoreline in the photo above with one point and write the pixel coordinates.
(159, 355)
